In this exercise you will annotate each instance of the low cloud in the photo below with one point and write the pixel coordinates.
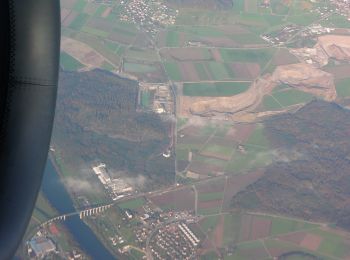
(78, 185)
(138, 181)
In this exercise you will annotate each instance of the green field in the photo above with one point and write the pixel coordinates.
(181, 122)
(284, 225)
(252, 159)
(207, 130)
(210, 196)
(209, 223)
(112, 46)
(67, 62)
(260, 56)
(135, 254)
(107, 66)
(219, 151)
(209, 160)
(201, 71)
(145, 99)
(246, 251)
(203, 31)
(79, 22)
(218, 89)
(94, 31)
(138, 67)
(173, 71)
(208, 211)
(182, 154)
(256, 153)
(332, 244)
(79, 5)
(100, 10)
(219, 71)
(232, 226)
(141, 54)
(292, 97)
(343, 87)
(132, 204)
(172, 39)
(270, 103)
(125, 29)
(258, 138)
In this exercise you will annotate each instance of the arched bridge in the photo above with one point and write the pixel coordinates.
(81, 213)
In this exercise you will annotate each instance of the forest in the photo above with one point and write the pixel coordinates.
(313, 184)
(96, 121)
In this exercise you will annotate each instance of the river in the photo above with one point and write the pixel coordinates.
(59, 198)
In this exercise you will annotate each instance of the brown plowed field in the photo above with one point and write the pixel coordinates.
(311, 242)
(241, 132)
(184, 54)
(216, 55)
(216, 185)
(246, 224)
(260, 228)
(295, 238)
(107, 12)
(82, 52)
(182, 199)
(188, 72)
(283, 57)
(218, 233)
(246, 71)
(209, 204)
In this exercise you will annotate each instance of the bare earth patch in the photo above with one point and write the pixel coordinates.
(311, 242)
(82, 52)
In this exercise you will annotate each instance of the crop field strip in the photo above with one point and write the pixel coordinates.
(220, 155)
(278, 228)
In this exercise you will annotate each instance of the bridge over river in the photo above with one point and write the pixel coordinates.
(82, 213)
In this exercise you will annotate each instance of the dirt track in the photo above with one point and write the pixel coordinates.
(245, 101)
(301, 76)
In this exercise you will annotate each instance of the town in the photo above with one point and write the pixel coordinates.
(149, 15)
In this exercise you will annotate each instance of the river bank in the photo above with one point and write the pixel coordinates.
(59, 198)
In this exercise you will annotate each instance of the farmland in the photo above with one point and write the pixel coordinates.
(249, 235)
(69, 63)
(255, 237)
(231, 67)
(229, 150)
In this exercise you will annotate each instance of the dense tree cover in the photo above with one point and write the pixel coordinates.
(96, 120)
(313, 181)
